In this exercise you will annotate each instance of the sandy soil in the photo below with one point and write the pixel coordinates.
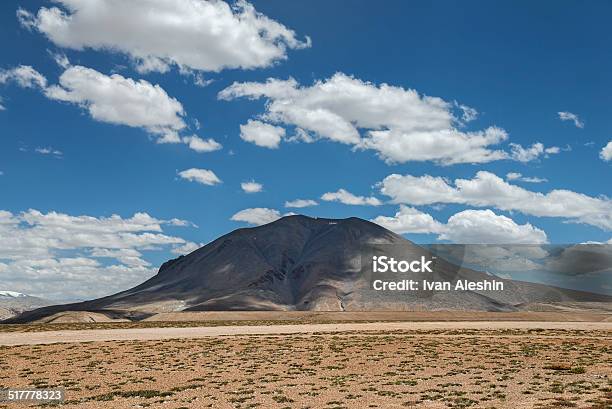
(582, 312)
(423, 365)
(141, 334)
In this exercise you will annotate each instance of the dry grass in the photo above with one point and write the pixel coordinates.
(424, 369)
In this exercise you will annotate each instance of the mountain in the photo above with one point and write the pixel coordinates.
(303, 263)
(13, 303)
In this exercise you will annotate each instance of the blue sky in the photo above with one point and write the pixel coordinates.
(518, 64)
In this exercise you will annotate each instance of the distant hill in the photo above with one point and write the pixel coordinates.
(13, 303)
(303, 263)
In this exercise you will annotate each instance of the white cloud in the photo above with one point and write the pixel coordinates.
(568, 116)
(417, 190)
(466, 227)
(469, 114)
(24, 76)
(186, 248)
(399, 124)
(533, 152)
(534, 179)
(337, 107)
(528, 179)
(606, 152)
(257, 216)
(486, 189)
(127, 256)
(410, 220)
(556, 149)
(62, 256)
(485, 227)
(348, 198)
(200, 145)
(262, 134)
(60, 59)
(251, 187)
(300, 203)
(203, 176)
(118, 100)
(200, 81)
(48, 151)
(446, 146)
(181, 223)
(191, 34)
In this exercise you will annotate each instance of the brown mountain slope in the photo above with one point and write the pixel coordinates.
(302, 263)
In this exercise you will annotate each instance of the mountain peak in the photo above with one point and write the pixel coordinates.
(324, 221)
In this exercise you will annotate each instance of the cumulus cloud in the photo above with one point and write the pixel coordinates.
(262, 134)
(251, 187)
(24, 76)
(445, 146)
(257, 216)
(410, 220)
(466, 227)
(486, 227)
(336, 108)
(203, 176)
(117, 100)
(568, 116)
(400, 124)
(62, 256)
(606, 152)
(300, 203)
(348, 198)
(533, 152)
(488, 190)
(191, 34)
(202, 145)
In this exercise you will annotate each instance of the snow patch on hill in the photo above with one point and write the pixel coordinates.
(12, 294)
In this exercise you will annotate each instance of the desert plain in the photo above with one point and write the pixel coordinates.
(246, 360)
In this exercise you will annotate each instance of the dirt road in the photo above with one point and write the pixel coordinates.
(143, 334)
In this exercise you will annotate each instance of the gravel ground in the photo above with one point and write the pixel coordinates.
(422, 365)
(141, 334)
